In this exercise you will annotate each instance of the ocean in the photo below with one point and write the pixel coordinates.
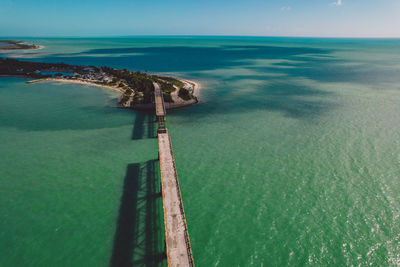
(291, 157)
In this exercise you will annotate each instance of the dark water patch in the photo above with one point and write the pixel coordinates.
(144, 125)
(313, 63)
(196, 59)
(273, 94)
(180, 58)
(303, 60)
(137, 238)
(335, 70)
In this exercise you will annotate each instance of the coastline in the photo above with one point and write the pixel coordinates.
(196, 86)
(136, 88)
(180, 103)
(18, 45)
(77, 82)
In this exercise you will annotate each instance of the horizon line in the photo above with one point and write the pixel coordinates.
(197, 35)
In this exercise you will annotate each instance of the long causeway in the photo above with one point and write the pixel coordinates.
(179, 251)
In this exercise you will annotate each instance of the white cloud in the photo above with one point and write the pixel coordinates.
(338, 3)
(288, 8)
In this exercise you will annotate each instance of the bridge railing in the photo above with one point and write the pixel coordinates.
(186, 232)
(163, 130)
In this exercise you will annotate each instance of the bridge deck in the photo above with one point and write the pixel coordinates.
(160, 108)
(179, 252)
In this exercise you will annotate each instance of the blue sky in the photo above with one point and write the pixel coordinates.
(324, 18)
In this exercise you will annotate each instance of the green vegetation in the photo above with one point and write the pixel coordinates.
(124, 99)
(185, 94)
(171, 80)
(137, 86)
(9, 66)
(128, 91)
(168, 85)
(12, 45)
(138, 98)
(142, 81)
(167, 89)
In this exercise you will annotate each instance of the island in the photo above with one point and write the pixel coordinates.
(137, 88)
(13, 45)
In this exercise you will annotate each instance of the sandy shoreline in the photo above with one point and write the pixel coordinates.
(78, 82)
(178, 102)
(12, 47)
(196, 86)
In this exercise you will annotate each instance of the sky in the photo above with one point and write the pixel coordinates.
(308, 18)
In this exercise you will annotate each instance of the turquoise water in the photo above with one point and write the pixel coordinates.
(291, 157)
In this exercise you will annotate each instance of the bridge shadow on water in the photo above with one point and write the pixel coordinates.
(139, 236)
(144, 125)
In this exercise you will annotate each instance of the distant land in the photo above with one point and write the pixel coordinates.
(137, 88)
(13, 45)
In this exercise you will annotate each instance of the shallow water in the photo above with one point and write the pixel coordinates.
(291, 157)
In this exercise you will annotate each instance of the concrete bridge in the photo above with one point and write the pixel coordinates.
(179, 251)
(160, 108)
